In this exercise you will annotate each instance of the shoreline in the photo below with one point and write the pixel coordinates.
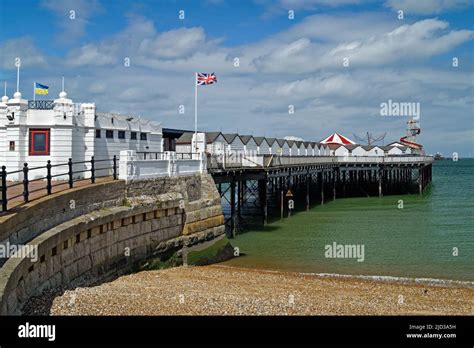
(452, 283)
(227, 290)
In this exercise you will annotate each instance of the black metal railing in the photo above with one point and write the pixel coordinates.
(41, 104)
(49, 177)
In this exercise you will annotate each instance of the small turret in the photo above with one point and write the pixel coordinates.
(63, 109)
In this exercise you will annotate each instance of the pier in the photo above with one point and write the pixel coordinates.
(274, 186)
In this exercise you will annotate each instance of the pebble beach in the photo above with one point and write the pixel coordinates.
(224, 290)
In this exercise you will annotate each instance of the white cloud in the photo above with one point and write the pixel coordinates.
(312, 4)
(25, 49)
(422, 39)
(419, 40)
(427, 7)
(174, 43)
(73, 16)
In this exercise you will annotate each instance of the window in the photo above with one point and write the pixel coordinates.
(133, 135)
(121, 134)
(39, 142)
(109, 134)
(142, 136)
(97, 133)
(12, 146)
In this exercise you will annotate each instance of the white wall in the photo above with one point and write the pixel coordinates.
(395, 151)
(131, 168)
(376, 151)
(275, 148)
(251, 147)
(237, 145)
(341, 151)
(358, 151)
(264, 148)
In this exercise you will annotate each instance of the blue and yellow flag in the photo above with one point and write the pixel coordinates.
(41, 89)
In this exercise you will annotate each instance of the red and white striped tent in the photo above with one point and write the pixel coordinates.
(337, 138)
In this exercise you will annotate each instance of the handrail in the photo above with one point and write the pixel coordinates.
(69, 173)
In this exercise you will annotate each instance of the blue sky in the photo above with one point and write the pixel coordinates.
(282, 62)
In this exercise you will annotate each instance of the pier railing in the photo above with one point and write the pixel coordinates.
(232, 161)
(21, 186)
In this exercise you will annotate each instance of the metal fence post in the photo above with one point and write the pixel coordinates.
(115, 167)
(48, 177)
(93, 170)
(25, 182)
(69, 163)
(4, 188)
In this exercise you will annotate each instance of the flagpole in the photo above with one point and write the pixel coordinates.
(195, 111)
(34, 94)
(18, 77)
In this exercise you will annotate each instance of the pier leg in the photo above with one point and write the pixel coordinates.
(239, 197)
(281, 204)
(343, 174)
(308, 178)
(232, 209)
(262, 190)
(334, 180)
(420, 180)
(380, 181)
(322, 187)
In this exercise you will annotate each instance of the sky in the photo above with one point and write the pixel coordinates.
(332, 62)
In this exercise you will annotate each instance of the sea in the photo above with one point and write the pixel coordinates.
(427, 237)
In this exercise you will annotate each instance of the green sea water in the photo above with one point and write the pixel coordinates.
(419, 241)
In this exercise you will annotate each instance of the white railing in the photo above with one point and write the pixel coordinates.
(133, 167)
(264, 161)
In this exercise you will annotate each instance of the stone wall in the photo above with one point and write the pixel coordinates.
(109, 242)
(30, 220)
(189, 186)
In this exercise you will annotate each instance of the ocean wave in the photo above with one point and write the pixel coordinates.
(394, 279)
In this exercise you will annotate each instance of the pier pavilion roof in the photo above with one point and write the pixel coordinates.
(186, 138)
(230, 137)
(337, 138)
(270, 141)
(351, 146)
(212, 136)
(246, 138)
(259, 140)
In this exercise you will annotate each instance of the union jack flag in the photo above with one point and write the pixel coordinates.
(206, 79)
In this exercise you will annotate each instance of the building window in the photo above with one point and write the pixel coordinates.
(109, 134)
(142, 136)
(133, 135)
(39, 142)
(121, 134)
(12, 146)
(97, 133)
